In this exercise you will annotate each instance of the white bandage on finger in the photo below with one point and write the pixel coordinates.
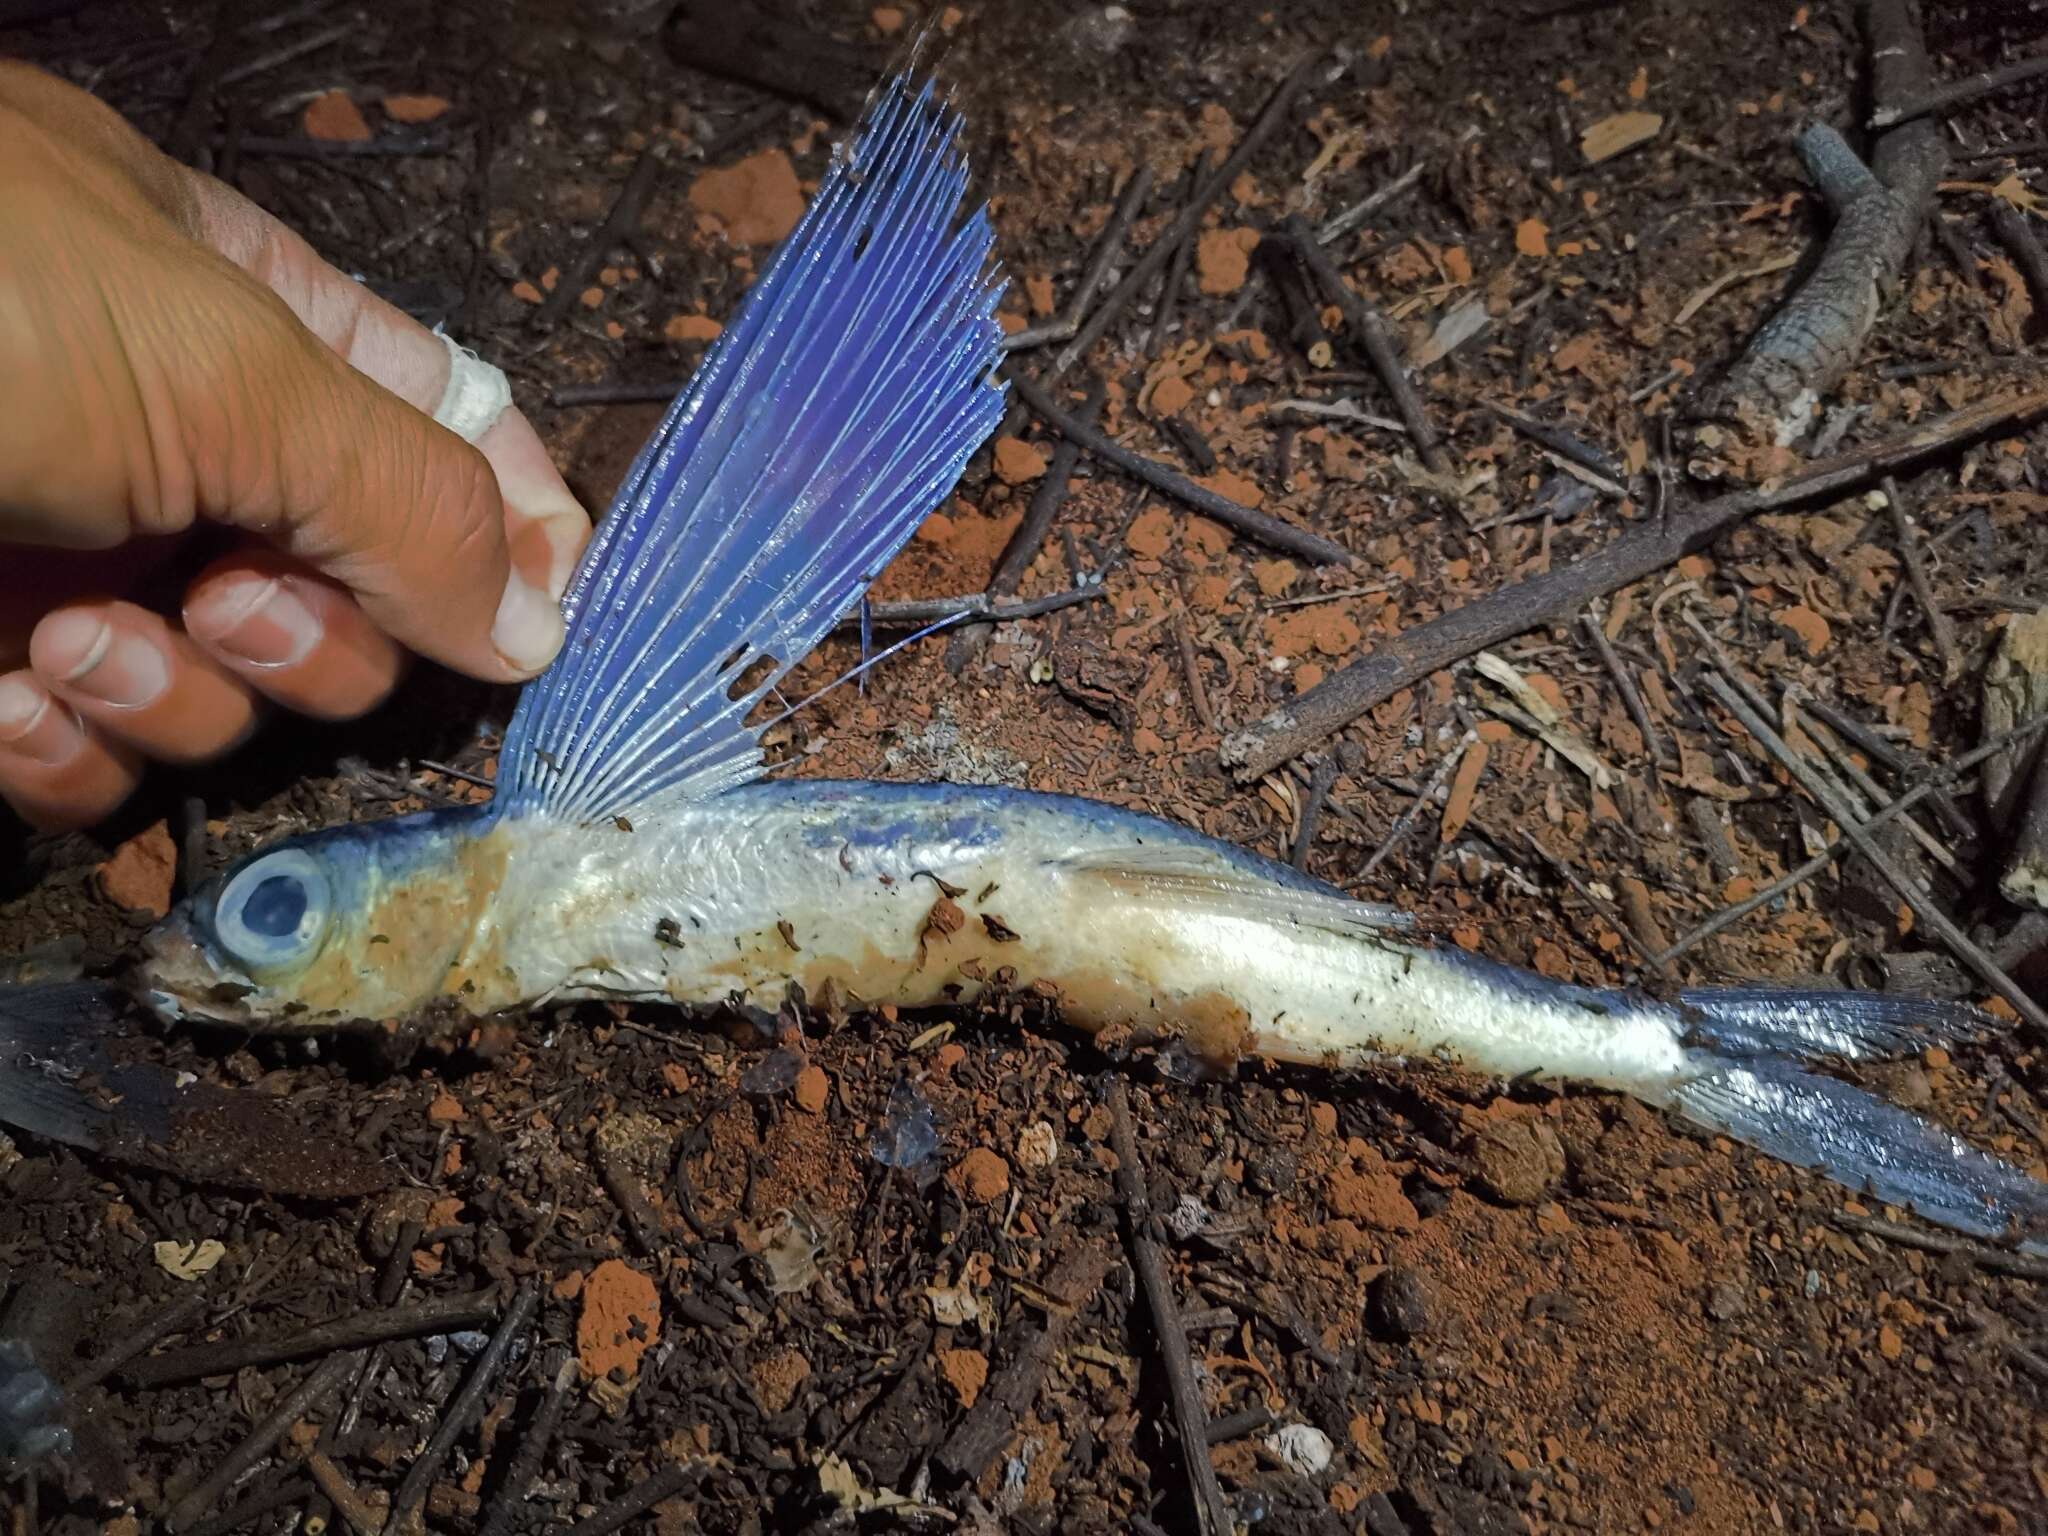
(476, 396)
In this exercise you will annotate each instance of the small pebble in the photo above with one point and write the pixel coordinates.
(1399, 1304)
(1519, 1162)
(1726, 1302)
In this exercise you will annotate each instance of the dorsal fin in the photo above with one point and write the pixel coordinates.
(830, 416)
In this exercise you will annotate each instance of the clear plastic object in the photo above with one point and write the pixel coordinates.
(31, 1408)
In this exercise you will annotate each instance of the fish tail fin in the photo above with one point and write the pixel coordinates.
(1810, 1024)
(1751, 1078)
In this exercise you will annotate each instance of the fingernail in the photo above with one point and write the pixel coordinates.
(35, 725)
(256, 619)
(114, 665)
(548, 534)
(528, 629)
(568, 531)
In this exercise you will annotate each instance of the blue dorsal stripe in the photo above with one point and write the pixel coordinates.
(829, 417)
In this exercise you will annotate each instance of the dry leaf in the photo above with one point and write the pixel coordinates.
(1464, 789)
(188, 1261)
(1535, 714)
(1614, 135)
(1451, 484)
(953, 1306)
(1727, 280)
(1810, 627)
(2020, 195)
(2008, 319)
(1457, 327)
(843, 1484)
(791, 1251)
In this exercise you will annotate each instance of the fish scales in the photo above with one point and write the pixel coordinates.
(834, 884)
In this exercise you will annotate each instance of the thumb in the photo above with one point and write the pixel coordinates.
(282, 437)
(147, 310)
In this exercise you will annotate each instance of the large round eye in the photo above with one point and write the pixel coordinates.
(274, 912)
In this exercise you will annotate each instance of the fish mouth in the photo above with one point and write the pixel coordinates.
(181, 983)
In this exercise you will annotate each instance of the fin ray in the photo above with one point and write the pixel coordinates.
(836, 409)
(1197, 876)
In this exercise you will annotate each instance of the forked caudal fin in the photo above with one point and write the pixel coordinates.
(832, 414)
(1753, 1083)
(1855, 1026)
(1875, 1148)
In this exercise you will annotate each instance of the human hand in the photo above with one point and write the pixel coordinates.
(171, 356)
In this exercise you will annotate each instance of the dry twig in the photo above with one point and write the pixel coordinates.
(2023, 1265)
(1857, 831)
(619, 225)
(1212, 1511)
(1938, 622)
(1107, 249)
(1931, 789)
(1249, 521)
(1631, 696)
(1646, 548)
(1941, 97)
(1364, 325)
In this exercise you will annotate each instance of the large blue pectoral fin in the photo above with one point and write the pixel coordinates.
(832, 414)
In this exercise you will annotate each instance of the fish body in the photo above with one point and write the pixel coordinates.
(632, 850)
(926, 894)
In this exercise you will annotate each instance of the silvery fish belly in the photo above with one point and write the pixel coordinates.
(631, 850)
(926, 894)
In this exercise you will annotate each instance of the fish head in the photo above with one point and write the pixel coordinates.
(351, 924)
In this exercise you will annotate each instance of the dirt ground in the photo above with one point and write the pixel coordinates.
(1500, 1308)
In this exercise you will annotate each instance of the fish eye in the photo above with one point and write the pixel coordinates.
(273, 913)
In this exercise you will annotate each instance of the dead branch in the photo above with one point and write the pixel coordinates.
(1930, 914)
(1804, 349)
(1808, 345)
(1645, 549)
(1248, 521)
(1913, 153)
(1939, 98)
(774, 53)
